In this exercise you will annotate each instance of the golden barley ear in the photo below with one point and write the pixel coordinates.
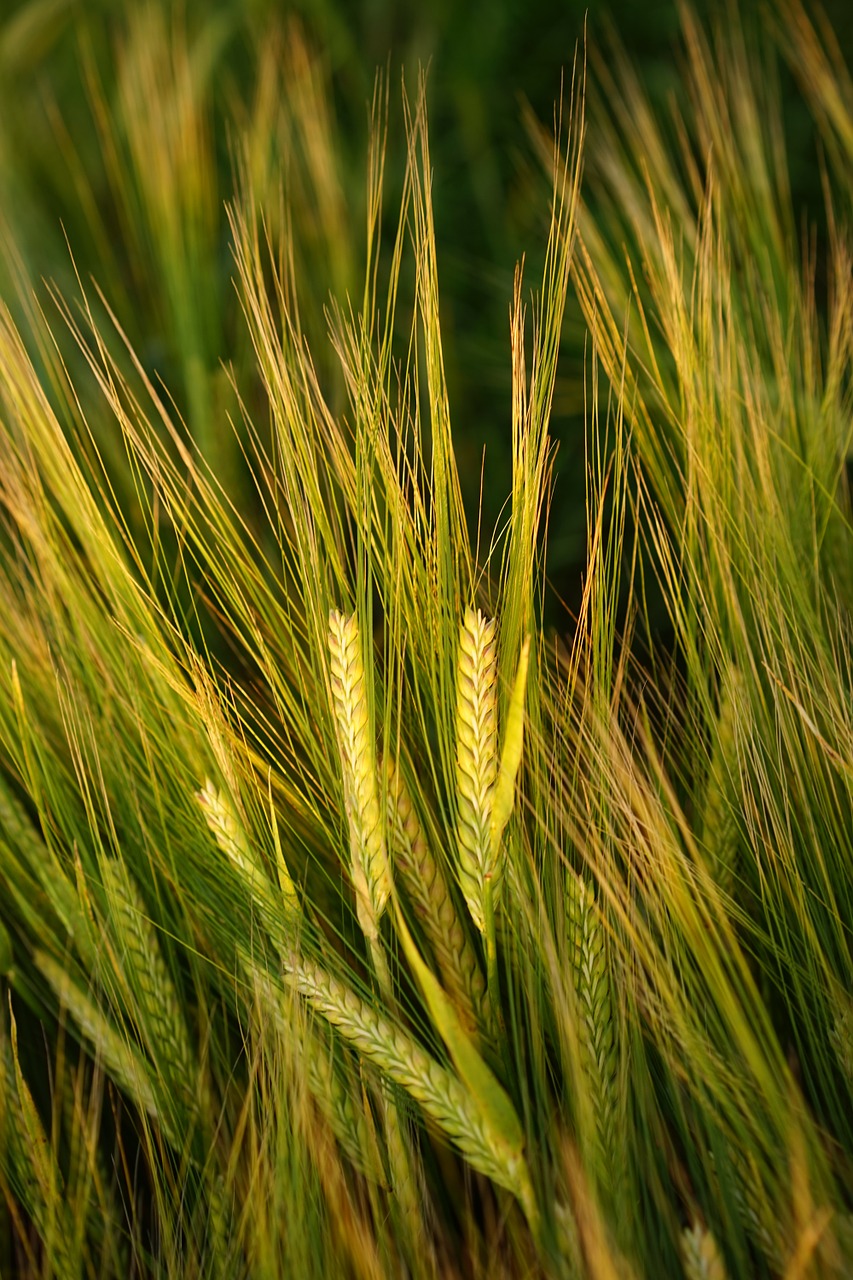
(427, 891)
(596, 1025)
(279, 913)
(476, 760)
(700, 1255)
(369, 869)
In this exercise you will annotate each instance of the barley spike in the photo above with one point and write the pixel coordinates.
(476, 760)
(371, 875)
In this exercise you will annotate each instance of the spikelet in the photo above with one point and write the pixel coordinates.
(161, 1021)
(369, 869)
(596, 1027)
(427, 891)
(441, 1095)
(476, 761)
(719, 820)
(700, 1255)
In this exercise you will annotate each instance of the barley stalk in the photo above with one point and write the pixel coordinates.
(596, 1022)
(441, 1095)
(432, 903)
(161, 1021)
(700, 1255)
(476, 761)
(369, 869)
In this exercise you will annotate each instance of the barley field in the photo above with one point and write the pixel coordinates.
(380, 895)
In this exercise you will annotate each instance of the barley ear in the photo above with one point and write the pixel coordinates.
(427, 891)
(369, 869)
(25, 839)
(339, 1097)
(596, 1027)
(700, 1255)
(161, 1020)
(279, 914)
(121, 1060)
(476, 758)
(756, 1205)
(438, 1091)
(719, 821)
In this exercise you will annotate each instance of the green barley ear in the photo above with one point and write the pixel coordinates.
(700, 1255)
(126, 1066)
(371, 874)
(427, 892)
(596, 1027)
(719, 822)
(161, 1021)
(20, 833)
(756, 1205)
(476, 760)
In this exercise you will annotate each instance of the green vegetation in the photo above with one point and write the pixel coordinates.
(352, 921)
